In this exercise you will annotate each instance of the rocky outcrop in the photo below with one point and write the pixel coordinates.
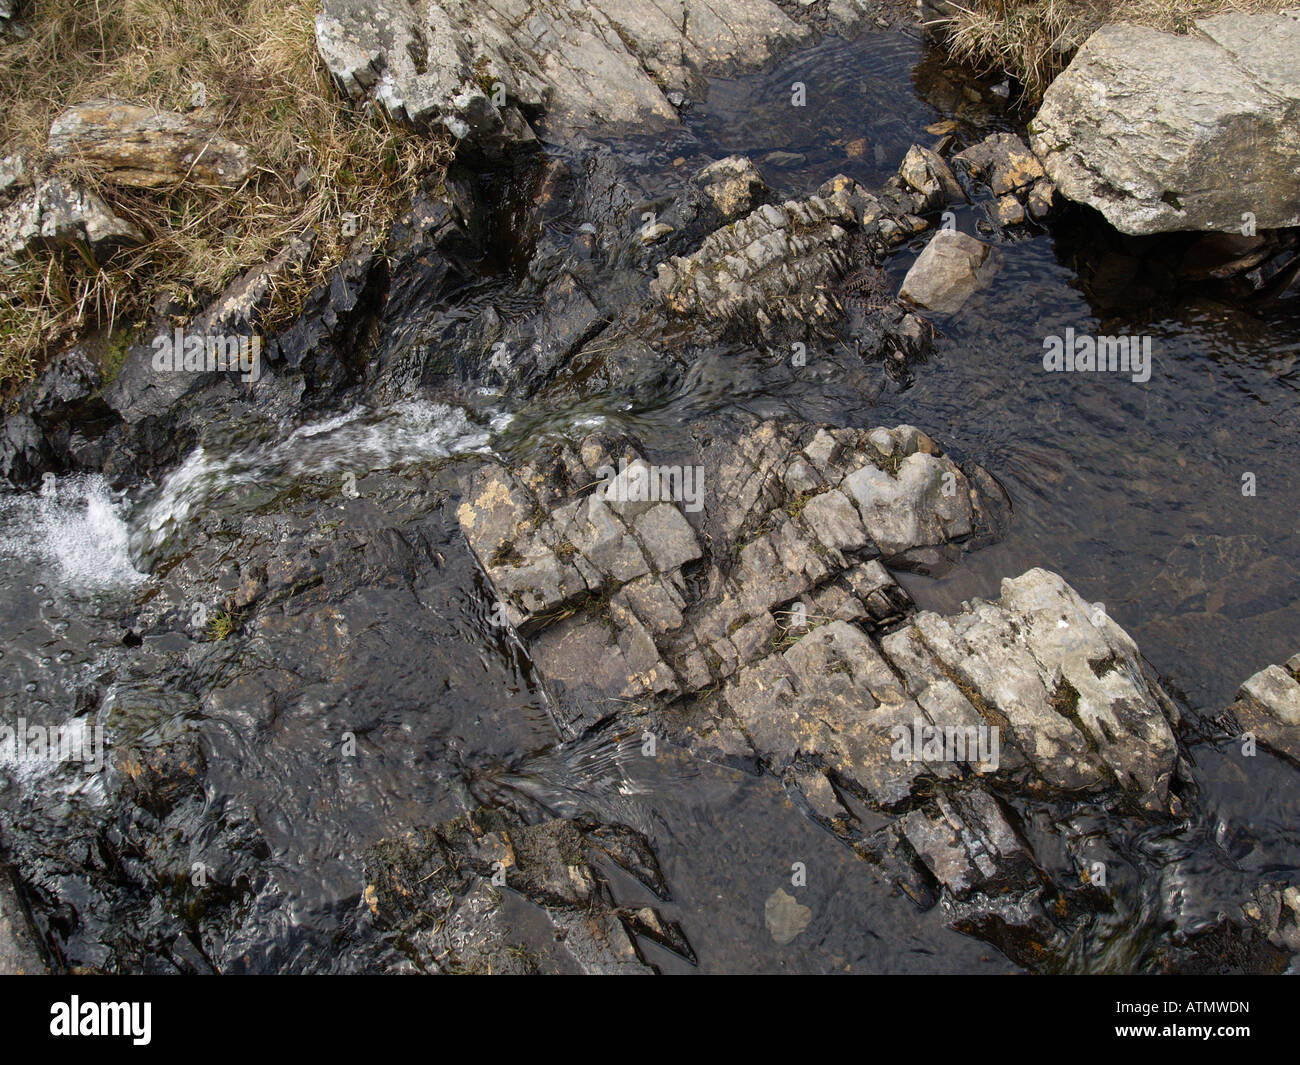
(443, 890)
(486, 70)
(137, 146)
(764, 625)
(1162, 132)
(622, 596)
(952, 268)
(57, 214)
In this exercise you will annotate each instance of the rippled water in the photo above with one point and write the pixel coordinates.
(1131, 491)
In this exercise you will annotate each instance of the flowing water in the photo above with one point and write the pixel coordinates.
(1132, 491)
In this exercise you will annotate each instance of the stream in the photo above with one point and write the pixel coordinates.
(1132, 491)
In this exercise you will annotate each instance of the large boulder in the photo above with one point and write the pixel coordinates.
(480, 68)
(1162, 132)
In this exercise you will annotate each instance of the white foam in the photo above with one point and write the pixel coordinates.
(74, 528)
(360, 441)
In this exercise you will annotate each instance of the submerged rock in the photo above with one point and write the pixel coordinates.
(144, 148)
(1165, 132)
(447, 891)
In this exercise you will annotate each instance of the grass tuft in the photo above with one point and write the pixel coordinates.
(264, 86)
(1034, 40)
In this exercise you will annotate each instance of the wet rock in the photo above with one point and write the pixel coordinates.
(1268, 707)
(927, 174)
(144, 148)
(56, 215)
(591, 554)
(1041, 197)
(486, 73)
(54, 423)
(1003, 162)
(1009, 211)
(20, 952)
(1164, 132)
(948, 272)
(733, 186)
(1275, 911)
(444, 890)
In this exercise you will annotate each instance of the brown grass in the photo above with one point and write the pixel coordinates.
(265, 87)
(1034, 40)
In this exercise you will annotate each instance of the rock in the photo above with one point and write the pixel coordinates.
(1164, 132)
(1009, 211)
(446, 888)
(784, 916)
(1002, 162)
(57, 214)
(1268, 706)
(627, 547)
(952, 267)
(927, 174)
(1041, 197)
(774, 267)
(13, 174)
(20, 952)
(1275, 911)
(144, 148)
(733, 185)
(595, 67)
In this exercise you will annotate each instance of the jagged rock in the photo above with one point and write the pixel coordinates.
(733, 186)
(599, 581)
(776, 265)
(1268, 706)
(57, 214)
(1067, 683)
(480, 69)
(1165, 132)
(144, 148)
(948, 272)
(1275, 911)
(1002, 162)
(444, 889)
(925, 173)
(20, 952)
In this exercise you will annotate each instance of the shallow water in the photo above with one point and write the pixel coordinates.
(1131, 491)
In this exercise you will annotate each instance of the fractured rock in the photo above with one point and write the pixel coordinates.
(144, 148)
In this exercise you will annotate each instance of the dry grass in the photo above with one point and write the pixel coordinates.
(265, 87)
(1033, 40)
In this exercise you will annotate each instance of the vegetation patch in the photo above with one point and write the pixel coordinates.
(247, 68)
